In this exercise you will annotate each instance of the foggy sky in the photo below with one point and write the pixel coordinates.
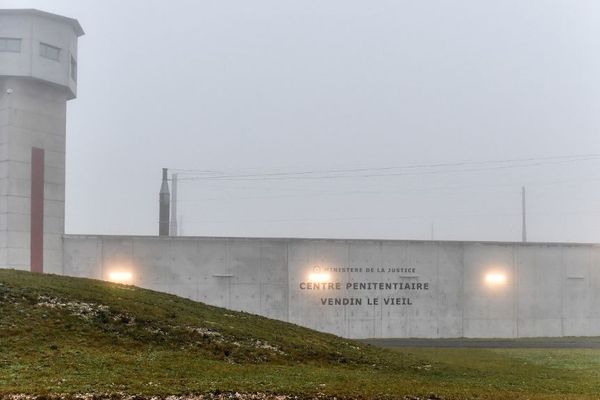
(264, 87)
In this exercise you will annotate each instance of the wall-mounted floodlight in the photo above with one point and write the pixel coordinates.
(495, 279)
(120, 276)
(319, 277)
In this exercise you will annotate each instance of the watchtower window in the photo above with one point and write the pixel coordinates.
(50, 52)
(73, 69)
(10, 45)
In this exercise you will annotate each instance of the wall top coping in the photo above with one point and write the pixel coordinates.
(338, 240)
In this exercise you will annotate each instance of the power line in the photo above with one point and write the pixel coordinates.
(421, 165)
(352, 173)
(217, 179)
(422, 190)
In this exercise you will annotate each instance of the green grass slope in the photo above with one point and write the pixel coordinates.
(63, 336)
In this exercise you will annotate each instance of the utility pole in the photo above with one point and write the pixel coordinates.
(524, 213)
(174, 228)
(164, 200)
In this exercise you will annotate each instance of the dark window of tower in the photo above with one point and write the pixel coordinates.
(10, 44)
(73, 69)
(48, 51)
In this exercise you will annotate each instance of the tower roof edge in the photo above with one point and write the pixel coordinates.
(32, 11)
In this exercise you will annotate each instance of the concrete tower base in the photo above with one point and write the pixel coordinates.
(32, 128)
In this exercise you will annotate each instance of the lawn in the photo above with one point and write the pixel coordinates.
(63, 336)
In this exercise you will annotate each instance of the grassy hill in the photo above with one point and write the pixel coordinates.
(66, 336)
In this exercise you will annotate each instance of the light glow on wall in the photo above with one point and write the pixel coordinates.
(495, 279)
(120, 276)
(319, 277)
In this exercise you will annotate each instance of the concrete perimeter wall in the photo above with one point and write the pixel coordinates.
(366, 288)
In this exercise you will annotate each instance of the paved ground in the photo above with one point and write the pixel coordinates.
(528, 343)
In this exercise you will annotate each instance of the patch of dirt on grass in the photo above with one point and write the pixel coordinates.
(76, 308)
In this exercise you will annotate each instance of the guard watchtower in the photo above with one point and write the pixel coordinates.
(38, 75)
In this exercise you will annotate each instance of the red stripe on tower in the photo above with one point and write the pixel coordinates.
(37, 210)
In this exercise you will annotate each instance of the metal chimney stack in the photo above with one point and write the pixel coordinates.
(164, 208)
(174, 231)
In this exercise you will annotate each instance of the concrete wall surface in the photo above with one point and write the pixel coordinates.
(366, 288)
(38, 73)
